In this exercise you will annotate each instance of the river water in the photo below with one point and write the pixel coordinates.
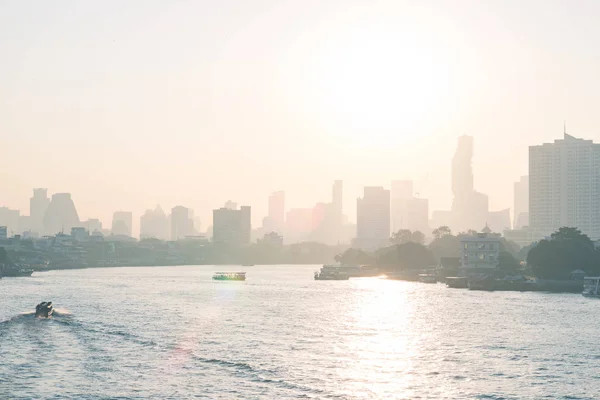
(173, 333)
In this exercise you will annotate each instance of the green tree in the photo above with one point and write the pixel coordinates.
(355, 257)
(566, 250)
(442, 231)
(507, 263)
(407, 236)
(407, 256)
(445, 246)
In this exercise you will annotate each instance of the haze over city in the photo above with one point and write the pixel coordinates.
(129, 105)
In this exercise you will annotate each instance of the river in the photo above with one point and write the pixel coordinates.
(174, 333)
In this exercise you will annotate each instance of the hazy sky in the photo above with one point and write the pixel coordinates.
(127, 104)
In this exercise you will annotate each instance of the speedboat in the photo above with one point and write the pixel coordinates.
(44, 310)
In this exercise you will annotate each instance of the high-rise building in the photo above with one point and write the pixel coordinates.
(276, 212)
(3, 232)
(298, 224)
(61, 214)
(564, 186)
(92, 225)
(469, 207)
(232, 227)
(401, 196)
(521, 203)
(373, 218)
(38, 204)
(182, 224)
(122, 223)
(154, 224)
(10, 219)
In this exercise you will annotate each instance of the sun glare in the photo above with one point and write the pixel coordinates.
(381, 79)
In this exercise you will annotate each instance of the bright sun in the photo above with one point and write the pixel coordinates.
(381, 79)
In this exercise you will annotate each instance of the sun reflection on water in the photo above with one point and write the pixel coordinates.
(377, 354)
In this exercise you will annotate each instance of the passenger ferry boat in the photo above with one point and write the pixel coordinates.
(591, 286)
(331, 273)
(229, 276)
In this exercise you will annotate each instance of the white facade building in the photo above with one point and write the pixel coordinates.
(564, 187)
(480, 253)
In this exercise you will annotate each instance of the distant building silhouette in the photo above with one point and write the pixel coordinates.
(232, 227)
(564, 186)
(521, 203)
(298, 224)
(469, 208)
(92, 225)
(154, 224)
(10, 219)
(182, 224)
(61, 214)
(38, 204)
(373, 218)
(3, 232)
(276, 218)
(122, 223)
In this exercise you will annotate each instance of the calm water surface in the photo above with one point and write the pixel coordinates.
(173, 333)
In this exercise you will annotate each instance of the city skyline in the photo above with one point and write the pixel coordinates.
(136, 109)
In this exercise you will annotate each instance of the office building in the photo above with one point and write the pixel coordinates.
(38, 204)
(232, 227)
(122, 223)
(182, 224)
(521, 203)
(564, 187)
(373, 218)
(154, 224)
(61, 214)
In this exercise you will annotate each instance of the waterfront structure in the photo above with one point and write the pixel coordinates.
(232, 227)
(122, 223)
(480, 253)
(521, 203)
(182, 224)
(154, 224)
(61, 214)
(373, 218)
(38, 204)
(564, 186)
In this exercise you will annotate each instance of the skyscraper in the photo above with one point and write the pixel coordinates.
(564, 186)
(232, 227)
(469, 207)
(61, 214)
(122, 223)
(277, 211)
(154, 224)
(401, 196)
(182, 224)
(373, 218)
(38, 204)
(521, 203)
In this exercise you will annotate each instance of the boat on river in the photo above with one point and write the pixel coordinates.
(591, 286)
(229, 276)
(44, 310)
(427, 278)
(331, 273)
